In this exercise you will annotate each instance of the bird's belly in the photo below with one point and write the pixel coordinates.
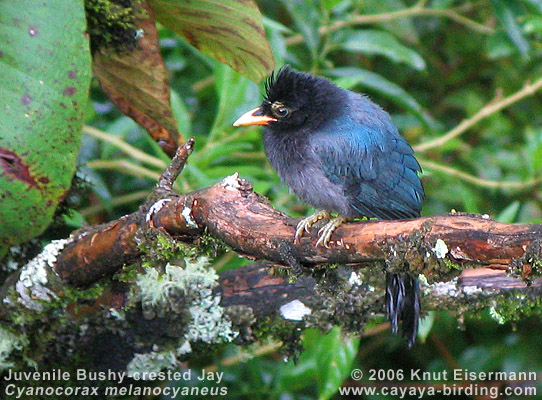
(297, 167)
(315, 189)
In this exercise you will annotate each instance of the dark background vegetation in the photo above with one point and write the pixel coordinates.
(430, 68)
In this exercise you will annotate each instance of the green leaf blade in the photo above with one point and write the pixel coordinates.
(505, 12)
(306, 20)
(335, 356)
(327, 359)
(231, 31)
(382, 43)
(43, 89)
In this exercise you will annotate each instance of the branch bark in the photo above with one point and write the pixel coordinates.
(245, 221)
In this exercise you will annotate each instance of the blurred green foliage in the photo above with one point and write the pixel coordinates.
(432, 65)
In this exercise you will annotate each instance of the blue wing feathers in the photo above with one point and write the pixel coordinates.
(374, 164)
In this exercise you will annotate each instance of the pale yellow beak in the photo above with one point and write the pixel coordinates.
(254, 117)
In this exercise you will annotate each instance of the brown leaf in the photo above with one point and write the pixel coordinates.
(136, 82)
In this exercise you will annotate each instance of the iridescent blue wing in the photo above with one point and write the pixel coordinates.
(374, 165)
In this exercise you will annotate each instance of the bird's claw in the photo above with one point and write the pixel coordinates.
(306, 223)
(325, 233)
(327, 230)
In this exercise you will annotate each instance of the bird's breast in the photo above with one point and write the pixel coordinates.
(298, 167)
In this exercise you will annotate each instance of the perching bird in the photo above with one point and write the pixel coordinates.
(340, 152)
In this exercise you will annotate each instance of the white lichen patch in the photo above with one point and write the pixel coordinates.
(116, 314)
(447, 289)
(153, 287)
(15, 250)
(156, 287)
(185, 348)
(195, 273)
(9, 264)
(440, 249)
(452, 289)
(52, 250)
(196, 281)
(422, 279)
(209, 324)
(231, 182)
(33, 279)
(294, 310)
(471, 290)
(9, 342)
(142, 365)
(139, 33)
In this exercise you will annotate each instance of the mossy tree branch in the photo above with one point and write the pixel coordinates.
(468, 262)
(231, 212)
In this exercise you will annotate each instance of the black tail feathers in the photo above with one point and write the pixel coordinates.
(403, 304)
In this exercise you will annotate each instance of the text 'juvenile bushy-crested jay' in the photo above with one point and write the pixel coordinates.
(340, 152)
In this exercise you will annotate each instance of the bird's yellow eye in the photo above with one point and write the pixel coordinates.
(280, 110)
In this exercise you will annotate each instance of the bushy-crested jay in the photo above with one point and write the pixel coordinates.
(340, 152)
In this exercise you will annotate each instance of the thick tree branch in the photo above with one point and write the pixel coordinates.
(255, 287)
(233, 213)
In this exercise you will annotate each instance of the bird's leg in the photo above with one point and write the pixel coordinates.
(327, 230)
(306, 223)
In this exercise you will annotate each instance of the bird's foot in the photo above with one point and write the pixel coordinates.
(327, 230)
(306, 223)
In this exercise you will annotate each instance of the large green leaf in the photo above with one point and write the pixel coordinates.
(45, 63)
(335, 356)
(229, 30)
(371, 41)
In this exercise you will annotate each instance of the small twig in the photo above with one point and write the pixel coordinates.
(383, 327)
(125, 167)
(124, 147)
(415, 11)
(445, 352)
(117, 201)
(489, 109)
(168, 177)
(478, 181)
(223, 140)
(203, 83)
